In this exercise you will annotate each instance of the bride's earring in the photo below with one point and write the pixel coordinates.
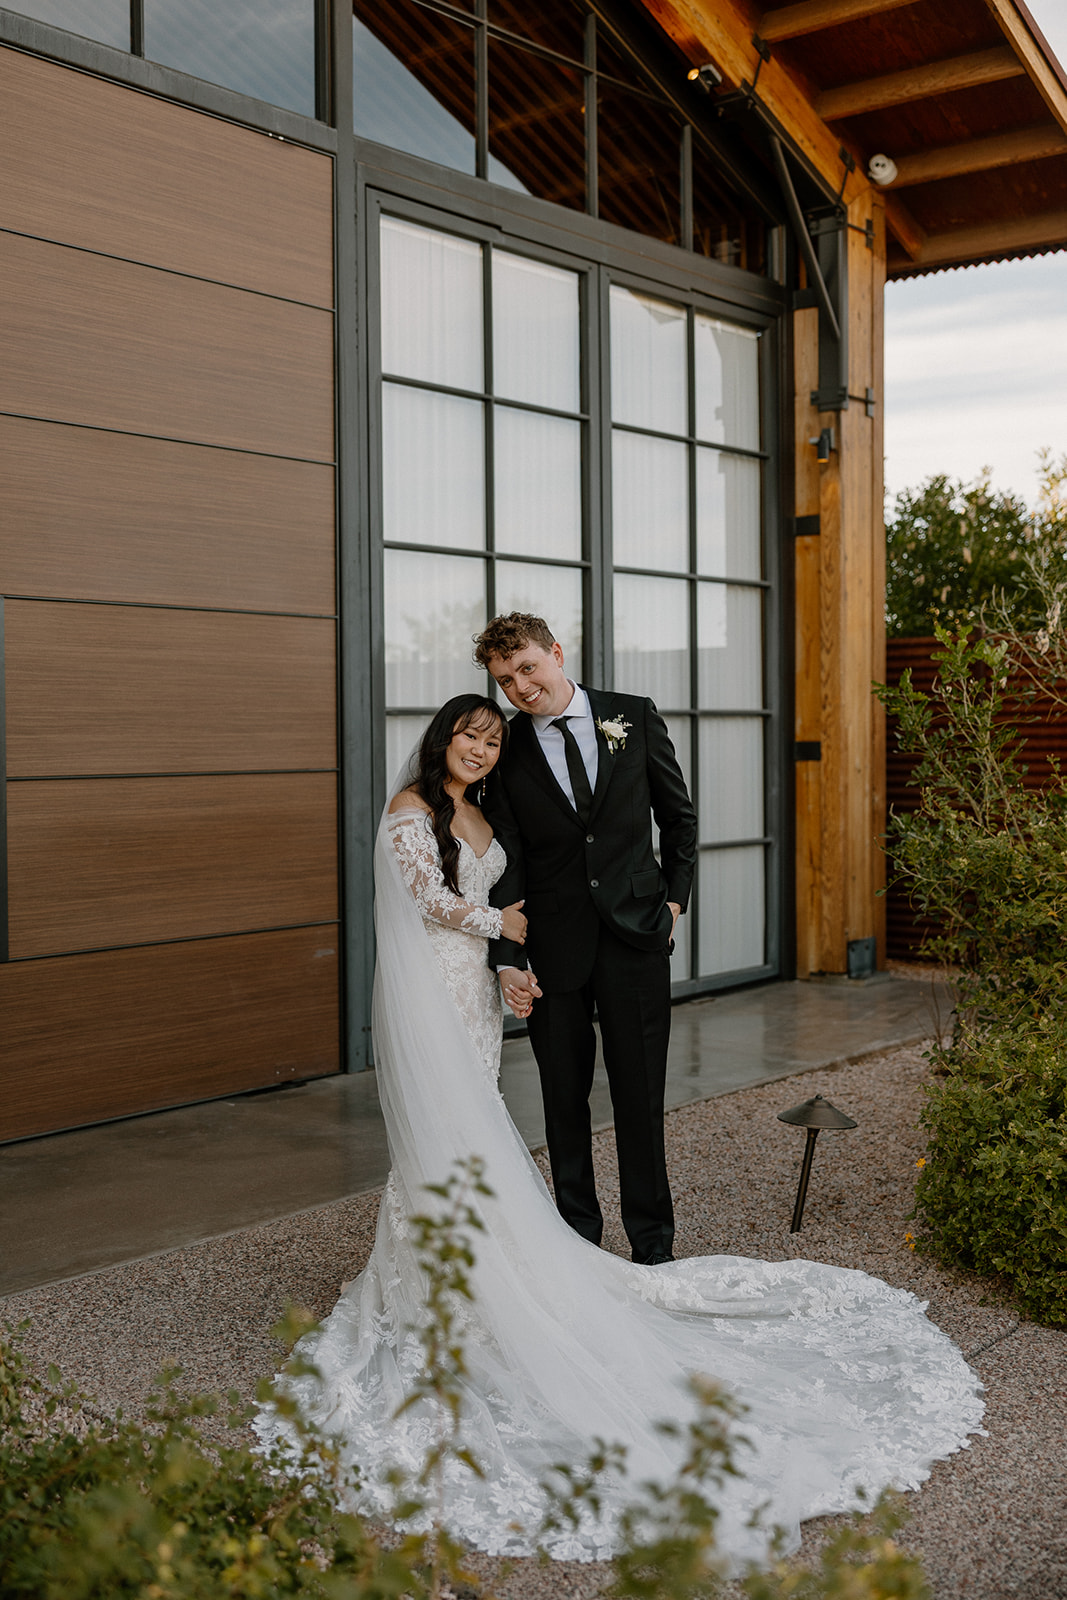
(482, 796)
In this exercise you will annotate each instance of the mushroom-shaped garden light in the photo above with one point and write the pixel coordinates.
(814, 1115)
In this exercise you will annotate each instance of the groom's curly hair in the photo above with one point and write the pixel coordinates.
(504, 635)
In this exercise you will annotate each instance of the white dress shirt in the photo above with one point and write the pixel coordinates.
(579, 717)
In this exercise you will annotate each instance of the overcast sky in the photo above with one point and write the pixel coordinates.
(976, 359)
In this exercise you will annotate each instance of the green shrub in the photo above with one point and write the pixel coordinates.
(993, 1191)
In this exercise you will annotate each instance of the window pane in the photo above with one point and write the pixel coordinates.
(413, 82)
(648, 362)
(554, 593)
(433, 607)
(728, 515)
(431, 305)
(401, 737)
(732, 901)
(536, 354)
(639, 162)
(652, 638)
(537, 125)
(107, 21)
(723, 227)
(650, 502)
(433, 468)
(731, 778)
(727, 383)
(557, 24)
(264, 48)
(729, 647)
(538, 484)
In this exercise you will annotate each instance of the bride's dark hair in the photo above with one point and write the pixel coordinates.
(430, 771)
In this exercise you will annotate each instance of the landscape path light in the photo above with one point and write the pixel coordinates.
(814, 1115)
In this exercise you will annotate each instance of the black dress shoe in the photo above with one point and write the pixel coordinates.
(657, 1259)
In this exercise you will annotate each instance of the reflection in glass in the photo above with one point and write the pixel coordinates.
(652, 638)
(554, 593)
(537, 124)
(433, 605)
(732, 914)
(726, 226)
(639, 164)
(433, 468)
(538, 484)
(648, 362)
(728, 515)
(729, 647)
(401, 736)
(731, 778)
(264, 48)
(431, 305)
(559, 25)
(727, 383)
(536, 351)
(650, 502)
(106, 21)
(413, 82)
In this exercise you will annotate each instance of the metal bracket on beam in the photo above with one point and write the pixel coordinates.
(800, 228)
(807, 750)
(807, 527)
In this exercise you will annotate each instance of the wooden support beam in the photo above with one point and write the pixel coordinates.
(811, 16)
(1048, 82)
(992, 238)
(979, 155)
(918, 83)
(904, 227)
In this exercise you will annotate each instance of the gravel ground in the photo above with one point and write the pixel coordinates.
(990, 1523)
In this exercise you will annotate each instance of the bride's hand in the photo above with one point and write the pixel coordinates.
(513, 923)
(520, 990)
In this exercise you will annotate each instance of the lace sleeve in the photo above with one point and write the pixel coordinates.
(420, 864)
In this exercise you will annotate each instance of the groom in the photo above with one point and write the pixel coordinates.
(573, 806)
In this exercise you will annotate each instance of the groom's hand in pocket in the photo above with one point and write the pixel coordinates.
(520, 990)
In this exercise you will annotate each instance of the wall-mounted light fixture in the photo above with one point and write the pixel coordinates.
(881, 170)
(824, 444)
(708, 76)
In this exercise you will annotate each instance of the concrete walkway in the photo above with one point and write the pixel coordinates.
(73, 1203)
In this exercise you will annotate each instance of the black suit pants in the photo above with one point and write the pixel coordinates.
(630, 991)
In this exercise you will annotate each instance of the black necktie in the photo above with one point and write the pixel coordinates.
(583, 794)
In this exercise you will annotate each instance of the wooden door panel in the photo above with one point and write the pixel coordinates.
(121, 689)
(90, 1037)
(121, 861)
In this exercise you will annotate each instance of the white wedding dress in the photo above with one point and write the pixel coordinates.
(845, 1382)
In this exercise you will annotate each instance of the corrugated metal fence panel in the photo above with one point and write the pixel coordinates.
(1044, 738)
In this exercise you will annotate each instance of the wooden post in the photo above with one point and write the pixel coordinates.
(840, 633)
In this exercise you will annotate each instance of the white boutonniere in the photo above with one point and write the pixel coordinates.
(614, 730)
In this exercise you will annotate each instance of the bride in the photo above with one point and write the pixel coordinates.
(845, 1382)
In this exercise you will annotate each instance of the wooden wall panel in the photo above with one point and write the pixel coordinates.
(91, 340)
(123, 689)
(111, 516)
(100, 862)
(808, 649)
(132, 176)
(105, 1035)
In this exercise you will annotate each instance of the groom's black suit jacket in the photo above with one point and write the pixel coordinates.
(574, 876)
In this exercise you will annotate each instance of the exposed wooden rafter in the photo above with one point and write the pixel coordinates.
(980, 155)
(959, 245)
(903, 226)
(811, 16)
(918, 83)
(1047, 81)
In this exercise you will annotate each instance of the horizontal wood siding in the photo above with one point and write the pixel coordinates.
(167, 569)
(115, 516)
(117, 345)
(90, 1037)
(101, 689)
(131, 860)
(130, 176)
